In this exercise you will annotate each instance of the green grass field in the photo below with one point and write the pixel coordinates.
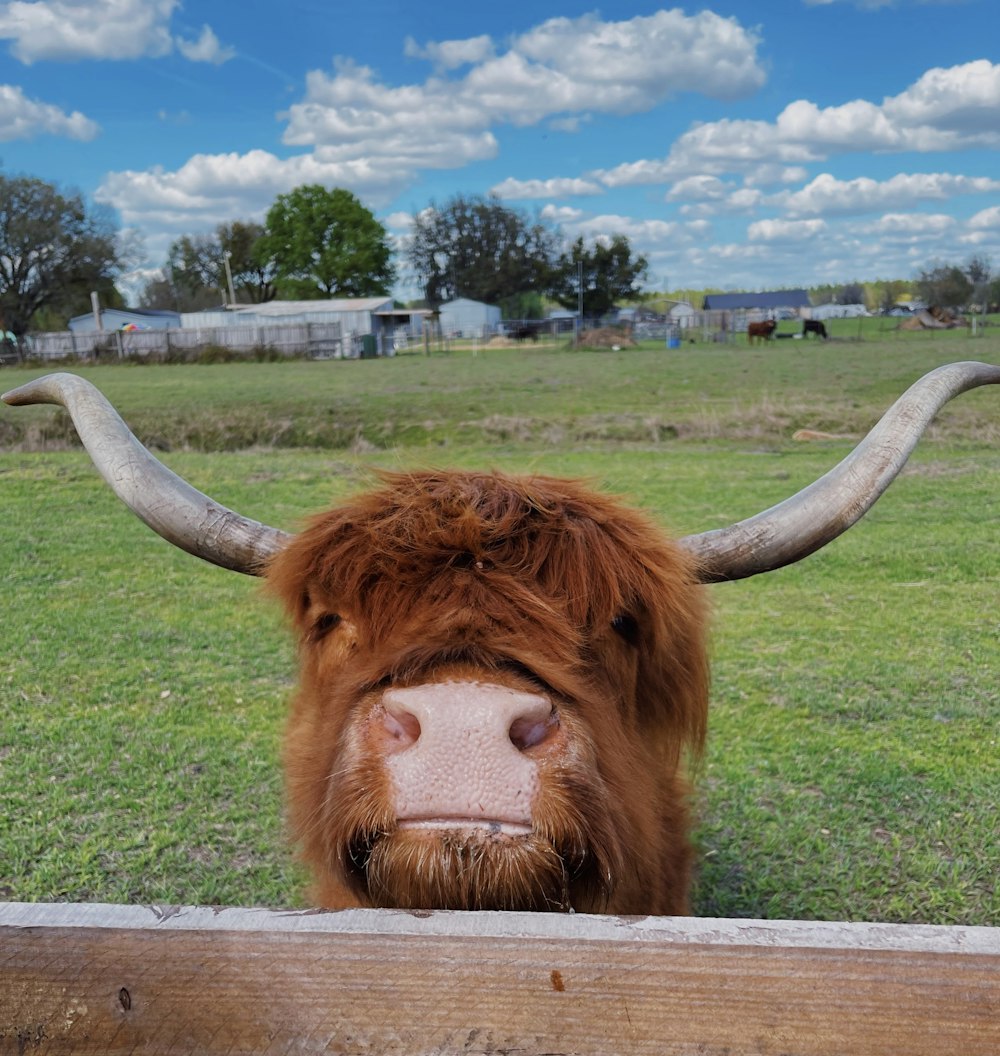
(852, 769)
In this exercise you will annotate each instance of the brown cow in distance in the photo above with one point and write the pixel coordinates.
(760, 331)
(501, 678)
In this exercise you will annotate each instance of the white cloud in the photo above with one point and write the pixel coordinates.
(24, 118)
(98, 29)
(961, 99)
(560, 214)
(913, 226)
(986, 219)
(700, 188)
(784, 230)
(70, 30)
(374, 138)
(767, 174)
(205, 49)
(354, 116)
(639, 232)
(210, 186)
(560, 71)
(826, 195)
(552, 188)
(450, 54)
(945, 109)
(631, 65)
(399, 221)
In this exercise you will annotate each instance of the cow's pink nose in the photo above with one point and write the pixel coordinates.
(449, 706)
(455, 750)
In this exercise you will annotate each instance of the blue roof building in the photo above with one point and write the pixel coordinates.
(120, 318)
(772, 300)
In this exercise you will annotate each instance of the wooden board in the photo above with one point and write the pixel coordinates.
(131, 979)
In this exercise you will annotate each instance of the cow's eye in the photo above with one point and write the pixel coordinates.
(626, 627)
(324, 624)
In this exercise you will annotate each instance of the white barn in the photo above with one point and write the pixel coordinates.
(835, 311)
(683, 314)
(370, 321)
(464, 317)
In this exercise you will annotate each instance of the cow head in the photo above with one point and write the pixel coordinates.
(500, 676)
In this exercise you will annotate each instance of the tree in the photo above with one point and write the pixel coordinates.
(886, 293)
(53, 252)
(195, 274)
(978, 268)
(323, 242)
(850, 293)
(945, 285)
(610, 274)
(478, 248)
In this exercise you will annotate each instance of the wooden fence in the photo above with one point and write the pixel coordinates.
(109, 980)
(319, 340)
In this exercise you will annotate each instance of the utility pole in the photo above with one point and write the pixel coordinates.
(229, 278)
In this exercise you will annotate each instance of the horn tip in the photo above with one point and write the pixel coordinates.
(39, 390)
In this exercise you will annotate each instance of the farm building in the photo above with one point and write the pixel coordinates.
(358, 317)
(125, 318)
(835, 311)
(337, 328)
(467, 318)
(771, 303)
(683, 314)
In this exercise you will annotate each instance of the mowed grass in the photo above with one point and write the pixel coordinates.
(853, 767)
(548, 397)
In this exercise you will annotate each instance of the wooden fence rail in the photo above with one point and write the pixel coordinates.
(130, 979)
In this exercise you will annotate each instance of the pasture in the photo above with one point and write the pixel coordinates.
(851, 771)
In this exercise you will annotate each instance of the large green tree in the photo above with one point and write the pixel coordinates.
(54, 251)
(478, 248)
(608, 271)
(325, 243)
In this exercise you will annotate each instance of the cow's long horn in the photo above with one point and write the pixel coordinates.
(160, 498)
(819, 513)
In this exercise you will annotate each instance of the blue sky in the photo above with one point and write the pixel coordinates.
(739, 144)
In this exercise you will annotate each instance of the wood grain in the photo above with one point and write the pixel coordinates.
(125, 979)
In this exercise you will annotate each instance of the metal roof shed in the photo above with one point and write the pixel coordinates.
(770, 300)
(468, 318)
(116, 318)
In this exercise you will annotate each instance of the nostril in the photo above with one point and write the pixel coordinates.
(402, 726)
(527, 732)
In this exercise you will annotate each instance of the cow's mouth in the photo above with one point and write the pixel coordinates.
(490, 826)
(470, 863)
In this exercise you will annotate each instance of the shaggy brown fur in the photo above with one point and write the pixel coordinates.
(532, 583)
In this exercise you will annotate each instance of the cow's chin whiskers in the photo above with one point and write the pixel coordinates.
(467, 868)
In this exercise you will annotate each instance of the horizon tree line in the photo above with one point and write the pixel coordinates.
(317, 242)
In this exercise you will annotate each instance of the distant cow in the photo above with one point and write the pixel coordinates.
(814, 326)
(762, 331)
(525, 332)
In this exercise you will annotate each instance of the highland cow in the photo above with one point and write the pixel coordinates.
(501, 678)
